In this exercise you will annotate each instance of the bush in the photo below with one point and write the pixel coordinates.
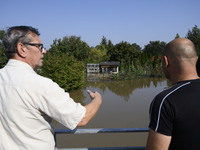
(3, 59)
(64, 70)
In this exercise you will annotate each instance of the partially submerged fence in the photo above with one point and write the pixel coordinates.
(100, 130)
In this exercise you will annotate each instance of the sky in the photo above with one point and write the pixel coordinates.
(133, 21)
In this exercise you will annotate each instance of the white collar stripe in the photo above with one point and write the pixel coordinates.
(164, 100)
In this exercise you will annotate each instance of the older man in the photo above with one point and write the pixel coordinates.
(175, 112)
(29, 101)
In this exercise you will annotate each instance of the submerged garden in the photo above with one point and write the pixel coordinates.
(65, 62)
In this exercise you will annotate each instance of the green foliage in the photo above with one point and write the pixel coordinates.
(137, 47)
(156, 61)
(98, 54)
(177, 36)
(104, 42)
(129, 55)
(123, 52)
(122, 49)
(2, 32)
(3, 59)
(140, 59)
(150, 59)
(145, 57)
(105, 46)
(194, 36)
(73, 46)
(154, 47)
(64, 70)
(110, 45)
(141, 67)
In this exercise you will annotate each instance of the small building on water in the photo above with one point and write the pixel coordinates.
(93, 68)
(110, 67)
(104, 67)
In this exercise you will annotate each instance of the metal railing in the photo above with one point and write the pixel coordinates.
(101, 130)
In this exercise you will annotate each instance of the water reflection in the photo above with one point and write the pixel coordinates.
(125, 105)
(121, 88)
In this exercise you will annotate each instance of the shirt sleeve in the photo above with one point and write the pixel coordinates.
(161, 115)
(57, 104)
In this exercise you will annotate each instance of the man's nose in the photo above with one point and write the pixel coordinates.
(44, 51)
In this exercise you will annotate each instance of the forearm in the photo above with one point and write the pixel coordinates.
(91, 110)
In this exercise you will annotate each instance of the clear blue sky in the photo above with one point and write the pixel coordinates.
(134, 21)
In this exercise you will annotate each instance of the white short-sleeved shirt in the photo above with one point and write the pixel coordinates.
(28, 101)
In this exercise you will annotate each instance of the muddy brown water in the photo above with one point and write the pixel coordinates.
(125, 105)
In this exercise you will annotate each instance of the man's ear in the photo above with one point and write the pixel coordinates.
(167, 61)
(21, 49)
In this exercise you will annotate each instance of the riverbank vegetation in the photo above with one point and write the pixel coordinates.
(66, 60)
(145, 66)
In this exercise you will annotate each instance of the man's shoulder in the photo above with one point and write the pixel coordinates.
(164, 93)
(39, 81)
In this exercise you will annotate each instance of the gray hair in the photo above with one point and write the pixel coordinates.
(15, 35)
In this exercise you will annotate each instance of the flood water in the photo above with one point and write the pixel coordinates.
(125, 105)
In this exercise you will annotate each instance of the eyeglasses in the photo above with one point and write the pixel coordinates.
(38, 45)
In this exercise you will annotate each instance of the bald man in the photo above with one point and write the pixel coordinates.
(175, 112)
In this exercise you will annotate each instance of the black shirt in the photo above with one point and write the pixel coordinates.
(176, 112)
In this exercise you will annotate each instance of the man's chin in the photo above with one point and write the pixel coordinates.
(38, 66)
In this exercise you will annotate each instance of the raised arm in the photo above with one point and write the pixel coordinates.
(157, 141)
(91, 108)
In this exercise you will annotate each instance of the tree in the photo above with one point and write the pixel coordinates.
(73, 46)
(64, 62)
(104, 41)
(154, 47)
(150, 59)
(64, 70)
(194, 36)
(156, 60)
(120, 50)
(2, 32)
(143, 58)
(3, 59)
(177, 36)
(123, 52)
(140, 58)
(98, 54)
(137, 47)
(110, 45)
(109, 48)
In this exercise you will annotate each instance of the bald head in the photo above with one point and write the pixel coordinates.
(180, 50)
(179, 59)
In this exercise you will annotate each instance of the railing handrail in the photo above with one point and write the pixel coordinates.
(106, 148)
(100, 130)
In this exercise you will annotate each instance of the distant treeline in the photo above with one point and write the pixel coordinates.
(66, 59)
